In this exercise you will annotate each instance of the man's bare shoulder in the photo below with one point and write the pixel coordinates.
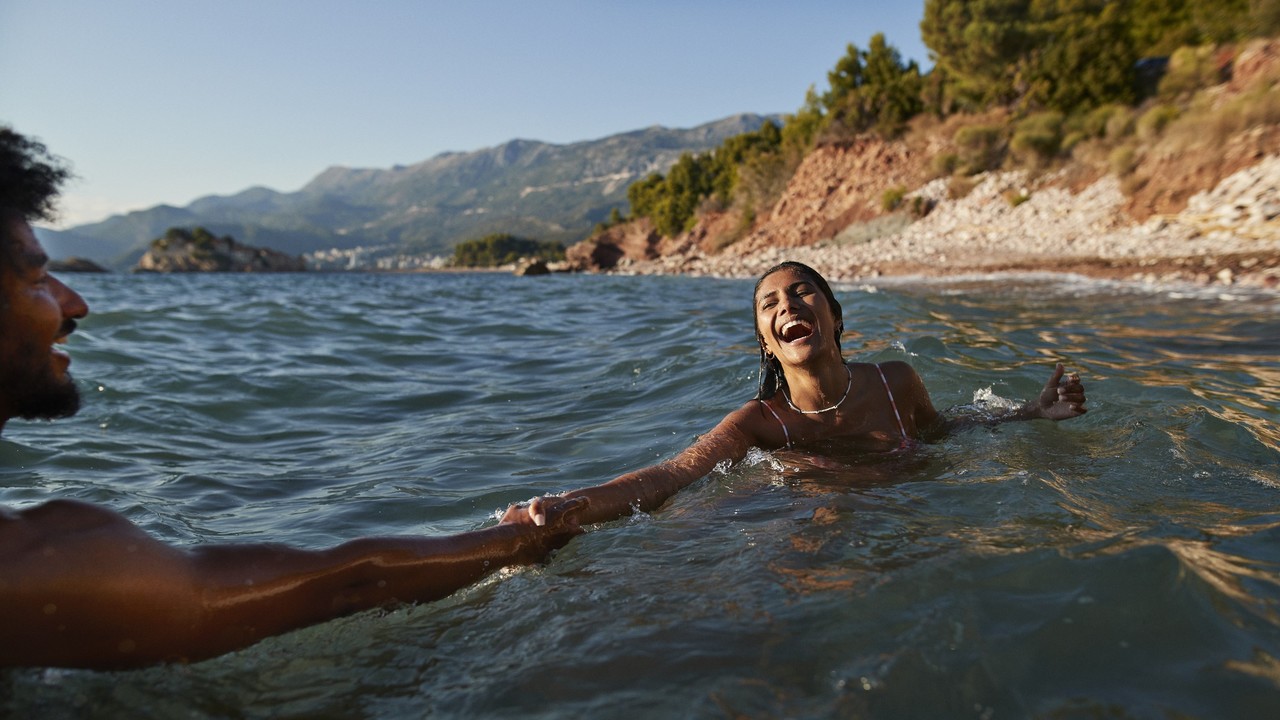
(56, 518)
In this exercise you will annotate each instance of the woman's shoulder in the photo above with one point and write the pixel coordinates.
(904, 382)
(898, 367)
(750, 412)
(758, 423)
(893, 370)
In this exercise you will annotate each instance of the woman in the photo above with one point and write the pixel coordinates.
(809, 398)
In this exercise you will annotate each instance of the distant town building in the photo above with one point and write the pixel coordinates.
(376, 257)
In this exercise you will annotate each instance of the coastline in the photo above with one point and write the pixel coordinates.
(1194, 201)
(1226, 237)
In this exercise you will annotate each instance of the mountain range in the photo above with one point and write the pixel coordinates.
(527, 188)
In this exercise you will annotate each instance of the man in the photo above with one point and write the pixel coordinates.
(81, 586)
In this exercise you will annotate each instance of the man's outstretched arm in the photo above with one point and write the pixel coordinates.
(81, 586)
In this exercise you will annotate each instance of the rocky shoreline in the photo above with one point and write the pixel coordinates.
(1012, 223)
(1196, 202)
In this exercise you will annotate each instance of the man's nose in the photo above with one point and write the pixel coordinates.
(73, 306)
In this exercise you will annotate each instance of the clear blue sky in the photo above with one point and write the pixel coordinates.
(163, 102)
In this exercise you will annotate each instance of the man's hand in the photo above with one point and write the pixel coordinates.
(557, 515)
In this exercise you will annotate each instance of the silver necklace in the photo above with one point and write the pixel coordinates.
(840, 402)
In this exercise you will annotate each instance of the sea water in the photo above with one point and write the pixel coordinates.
(1122, 564)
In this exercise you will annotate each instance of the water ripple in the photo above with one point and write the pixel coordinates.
(1122, 564)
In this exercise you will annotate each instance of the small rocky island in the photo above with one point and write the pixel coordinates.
(198, 250)
(75, 265)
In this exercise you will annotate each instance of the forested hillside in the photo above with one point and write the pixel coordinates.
(1108, 86)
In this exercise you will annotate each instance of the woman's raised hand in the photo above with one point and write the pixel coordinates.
(1062, 397)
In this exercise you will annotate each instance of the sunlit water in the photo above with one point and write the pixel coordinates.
(1124, 564)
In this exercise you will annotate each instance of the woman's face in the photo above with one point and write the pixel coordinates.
(794, 321)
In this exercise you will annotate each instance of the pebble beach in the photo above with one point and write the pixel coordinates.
(1009, 223)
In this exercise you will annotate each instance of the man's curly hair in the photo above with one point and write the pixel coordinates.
(29, 181)
(29, 176)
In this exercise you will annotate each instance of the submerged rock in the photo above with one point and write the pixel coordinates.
(532, 266)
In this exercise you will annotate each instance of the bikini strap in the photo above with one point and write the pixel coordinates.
(785, 433)
(902, 428)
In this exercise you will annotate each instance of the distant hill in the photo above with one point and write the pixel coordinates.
(523, 187)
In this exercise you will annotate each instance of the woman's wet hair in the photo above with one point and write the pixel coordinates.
(771, 377)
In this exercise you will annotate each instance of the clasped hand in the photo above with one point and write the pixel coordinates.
(557, 514)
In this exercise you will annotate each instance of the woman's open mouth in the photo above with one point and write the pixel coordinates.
(795, 330)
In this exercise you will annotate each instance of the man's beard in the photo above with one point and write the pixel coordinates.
(35, 393)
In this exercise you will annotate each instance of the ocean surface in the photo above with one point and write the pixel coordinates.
(1125, 564)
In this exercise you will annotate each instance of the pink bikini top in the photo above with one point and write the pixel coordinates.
(901, 428)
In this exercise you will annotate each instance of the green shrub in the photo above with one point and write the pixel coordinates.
(1190, 69)
(981, 148)
(672, 202)
(1037, 137)
(1154, 121)
(1072, 139)
(1120, 124)
(920, 206)
(503, 249)
(892, 198)
(945, 164)
(1097, 123)
(1203, 124)
(1123, 160)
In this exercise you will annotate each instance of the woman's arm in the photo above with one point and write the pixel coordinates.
(647, 489)
(81, 586)
(1061, 398)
